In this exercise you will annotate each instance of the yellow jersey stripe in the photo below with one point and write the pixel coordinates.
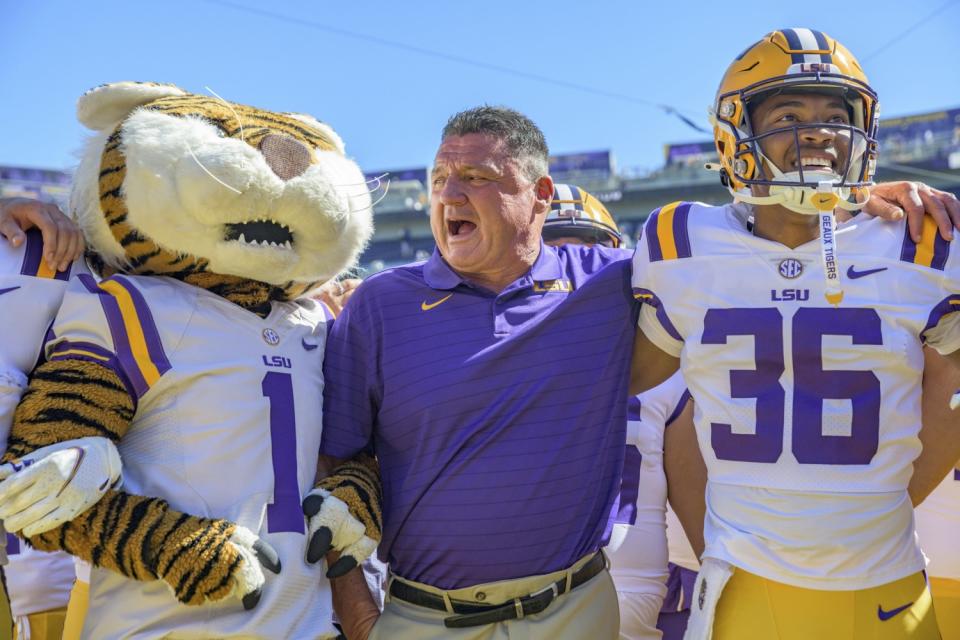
(134, 330)
(926, 245)
(668, 244)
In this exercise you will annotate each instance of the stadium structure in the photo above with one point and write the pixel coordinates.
(923, 147)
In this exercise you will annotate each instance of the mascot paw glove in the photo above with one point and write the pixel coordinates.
(204, 569)
(331, 526)
(54, 484)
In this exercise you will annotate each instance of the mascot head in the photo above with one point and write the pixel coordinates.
(251, 204)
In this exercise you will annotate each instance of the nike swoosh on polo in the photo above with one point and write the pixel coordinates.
(308, 346)
(886, 615)
(8, 290)
(853, 274)
(425, 306)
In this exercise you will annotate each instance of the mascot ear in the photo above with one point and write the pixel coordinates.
(322, 128)
(104, 106)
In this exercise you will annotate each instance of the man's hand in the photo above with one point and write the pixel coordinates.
(56, 483)
(62, 239)
(336, 293)
(891, 200)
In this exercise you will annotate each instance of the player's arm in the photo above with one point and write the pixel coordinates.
(352, 600)
(62, 239)
(686, 476)
(940, 434)
(650, 365)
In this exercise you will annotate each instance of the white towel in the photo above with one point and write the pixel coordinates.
(710, 582)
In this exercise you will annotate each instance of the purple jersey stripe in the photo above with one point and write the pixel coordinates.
(680, 581)
(948, 305)
(680, 235)
(63, 276)
(150, 334)
(33, 253)
(679, 408)
(118, 332)
(653, 241)
(941, 251)
(908, 250)
(649, 297)
(106, 358)
(633, 409)
(626, 507)
(956, 474)
(13, 544)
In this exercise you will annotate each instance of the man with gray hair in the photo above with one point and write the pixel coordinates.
(490, 381)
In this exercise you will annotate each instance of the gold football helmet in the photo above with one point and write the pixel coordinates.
(574, 212)
(795, 61)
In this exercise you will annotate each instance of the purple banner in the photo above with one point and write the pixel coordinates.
(594, 162)
(929, 140)
(689, 153)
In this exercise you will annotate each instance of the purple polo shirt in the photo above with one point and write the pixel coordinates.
(499, 419)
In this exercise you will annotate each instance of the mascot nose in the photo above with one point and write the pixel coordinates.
(287, 157)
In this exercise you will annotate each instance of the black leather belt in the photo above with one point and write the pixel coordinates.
(472, 614)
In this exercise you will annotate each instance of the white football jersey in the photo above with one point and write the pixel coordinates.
(30, 294)
(807, 414)
(638, 544)
(227, 425)
(938, 521)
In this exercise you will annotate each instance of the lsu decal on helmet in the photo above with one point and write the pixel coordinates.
(795, 61)
(574, 213)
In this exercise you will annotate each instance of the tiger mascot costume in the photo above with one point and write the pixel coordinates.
(198, 355)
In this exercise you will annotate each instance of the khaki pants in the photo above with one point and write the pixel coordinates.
(589, 611)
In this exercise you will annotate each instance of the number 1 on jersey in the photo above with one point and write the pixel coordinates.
(285, 513)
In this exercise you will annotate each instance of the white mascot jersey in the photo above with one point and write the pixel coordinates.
(807, 414)
(30, 294)
(227, 425)
(938, 521)
(638, 544)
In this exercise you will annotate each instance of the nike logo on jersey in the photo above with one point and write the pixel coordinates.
(886, 615)
(308, 345)
(853, 274)
(425, 306)
(8, 290)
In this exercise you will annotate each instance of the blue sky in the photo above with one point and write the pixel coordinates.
(389, 101)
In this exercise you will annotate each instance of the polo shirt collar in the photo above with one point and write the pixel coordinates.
(439, 275)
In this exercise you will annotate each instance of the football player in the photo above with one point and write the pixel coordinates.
(34, 269)
(577, 217)
(800, 336)
(638, 542)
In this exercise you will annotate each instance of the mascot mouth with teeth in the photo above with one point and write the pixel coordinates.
(199, 357)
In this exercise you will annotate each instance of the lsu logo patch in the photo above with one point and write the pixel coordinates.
(552, 286)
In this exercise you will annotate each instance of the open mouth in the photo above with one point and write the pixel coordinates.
(459, 227)
(260, 233)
